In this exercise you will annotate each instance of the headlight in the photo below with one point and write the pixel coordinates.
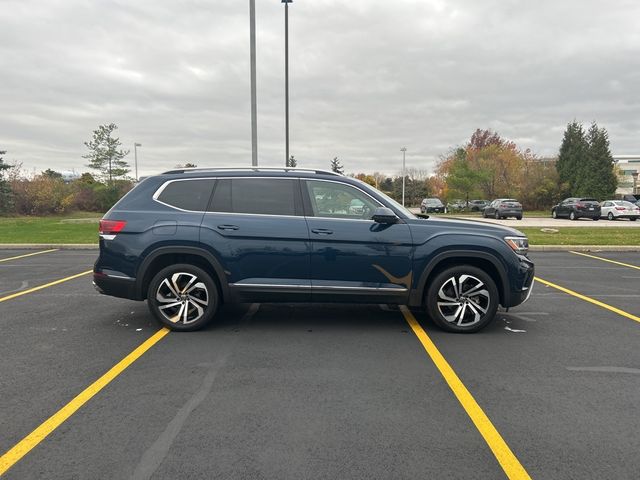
(518, 244)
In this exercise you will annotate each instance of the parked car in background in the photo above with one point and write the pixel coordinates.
(629, 197)
(456, 205)
(576, 207)
(503, 208)
(478, 205)
(615, 209)
(432, 205)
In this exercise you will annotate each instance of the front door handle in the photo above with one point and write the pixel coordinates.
(322, 231)
(228, 227)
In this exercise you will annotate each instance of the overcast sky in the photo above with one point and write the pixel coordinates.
(366, 78)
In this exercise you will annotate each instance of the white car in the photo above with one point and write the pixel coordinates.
(615, 209)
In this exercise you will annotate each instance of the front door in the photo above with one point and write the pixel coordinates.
(354, 258)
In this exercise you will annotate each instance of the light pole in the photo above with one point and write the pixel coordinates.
(635, 182)
(404, 151)
(254, 112)
(135, 154)
(286, 78)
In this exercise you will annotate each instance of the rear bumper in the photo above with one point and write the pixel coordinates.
(588, 213)
(115, 285)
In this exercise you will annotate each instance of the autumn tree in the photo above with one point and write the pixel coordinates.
(105, 154)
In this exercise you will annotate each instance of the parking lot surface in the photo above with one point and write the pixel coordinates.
(317, 391)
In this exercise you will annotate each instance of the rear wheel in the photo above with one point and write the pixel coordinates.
(519, 218)
(497, 215)
(462, 299)
(572, 216)
(183, 297)
(610, 216)
(633, 219)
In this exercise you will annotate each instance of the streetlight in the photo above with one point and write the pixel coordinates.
(404, 151)
(286, 78)
(254, 112)
(135, 154)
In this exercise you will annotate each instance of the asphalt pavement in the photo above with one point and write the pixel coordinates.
(318, 391)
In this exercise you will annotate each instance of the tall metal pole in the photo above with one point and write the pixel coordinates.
(286, 78)
(404, 151)
(254, 111)
(135, 153)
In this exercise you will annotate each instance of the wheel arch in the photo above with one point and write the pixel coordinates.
(483, 260)
(168, 255)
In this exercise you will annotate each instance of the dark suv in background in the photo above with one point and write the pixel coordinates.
(190, 240)
(576, 207)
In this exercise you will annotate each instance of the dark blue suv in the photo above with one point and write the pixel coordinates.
(189, 240)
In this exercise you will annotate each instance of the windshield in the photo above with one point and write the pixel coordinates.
(433, 201)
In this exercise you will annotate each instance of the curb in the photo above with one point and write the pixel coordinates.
(584, 248)
(532, 248)
(44, 246)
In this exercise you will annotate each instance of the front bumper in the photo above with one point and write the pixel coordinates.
(523, 286)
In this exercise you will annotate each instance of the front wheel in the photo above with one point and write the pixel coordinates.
(497, 215)
(462, 299)
(183, 297)
(554, 214)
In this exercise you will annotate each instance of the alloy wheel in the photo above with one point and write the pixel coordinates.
(463, 300)
(182, 298)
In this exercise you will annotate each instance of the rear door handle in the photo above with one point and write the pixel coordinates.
(322, 231)
(228, 227)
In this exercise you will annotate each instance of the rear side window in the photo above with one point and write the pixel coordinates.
(260, 196)
(187, 194)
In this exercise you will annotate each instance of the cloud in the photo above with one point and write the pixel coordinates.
(366, 78)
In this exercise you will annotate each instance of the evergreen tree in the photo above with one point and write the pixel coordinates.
(573, 155)
(105, 154)
(336, 166)
(6, 197)
(51, 173)
(597, 177)
(292, 162)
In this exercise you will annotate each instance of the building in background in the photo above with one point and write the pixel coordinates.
(626, 166)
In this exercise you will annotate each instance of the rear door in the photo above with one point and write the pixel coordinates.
(256, 228)
(354, 258)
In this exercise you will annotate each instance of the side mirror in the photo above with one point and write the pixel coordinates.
(384, 215)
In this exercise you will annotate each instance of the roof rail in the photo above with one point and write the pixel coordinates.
(256, 169)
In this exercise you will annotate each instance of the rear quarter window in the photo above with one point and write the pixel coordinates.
(187, 194)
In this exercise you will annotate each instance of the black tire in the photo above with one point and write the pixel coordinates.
(519, 218)
(422, 209)
(633, 219)
(204, 296)
(596, 219)
(554, 214)
(573, 216)
(610, 216)
(497, 215)
(486, 298)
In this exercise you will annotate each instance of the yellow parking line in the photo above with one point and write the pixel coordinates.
(506, 458)
(590, 300)
(25, 445)
(40, 287)
(28, 255)
(605, 260)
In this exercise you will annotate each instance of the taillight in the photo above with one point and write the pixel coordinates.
(109, 227)
(621, 209)
(503, 205)
(580, 205)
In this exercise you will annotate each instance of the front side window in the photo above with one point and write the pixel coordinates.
(259, 196)
(336, 200)
(187, 194)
